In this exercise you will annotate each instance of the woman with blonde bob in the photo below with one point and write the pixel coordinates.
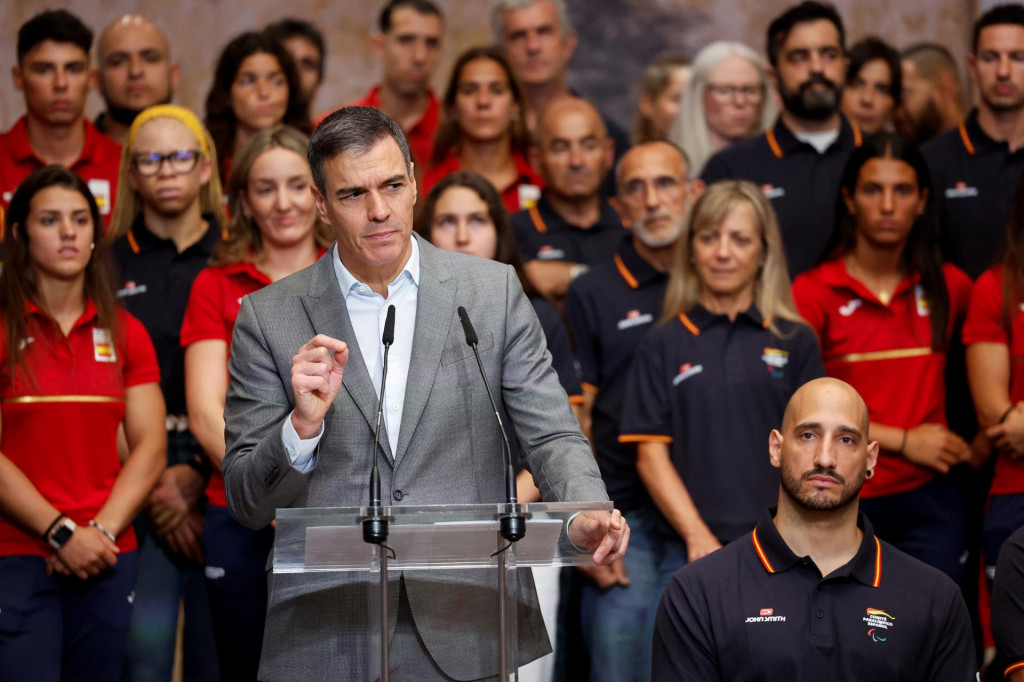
(274, 231)
(727, 99)
(166, 224)
(730, 346)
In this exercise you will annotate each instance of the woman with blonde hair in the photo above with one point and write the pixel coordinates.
(274, 231)
(730, 348)
(661, 93)
(166, 224)
(727, 99)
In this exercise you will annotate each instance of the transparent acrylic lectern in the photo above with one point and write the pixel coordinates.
(430, 538)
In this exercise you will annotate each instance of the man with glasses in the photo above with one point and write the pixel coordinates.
(609, 311)
(572, 227)
(799, 161)
(54, 76)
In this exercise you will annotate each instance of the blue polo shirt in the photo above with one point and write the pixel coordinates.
(713, 389)
(801, 183)
(542, 234)
(973, 179)
(609, 310)
(754, 610)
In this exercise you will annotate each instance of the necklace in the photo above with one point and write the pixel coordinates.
(883, 293)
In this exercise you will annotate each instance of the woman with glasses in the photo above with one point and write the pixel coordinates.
(75, 373)
(874, 85)
(166, 224)
(274, 231)
(727, 100)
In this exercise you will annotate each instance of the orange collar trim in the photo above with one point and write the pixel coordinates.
(761, 555)
(966, 139)
(132, 242)
(694, 329)
(858, 138)
(624, 271)
(538, 222)
(773, 143)
(878, 564)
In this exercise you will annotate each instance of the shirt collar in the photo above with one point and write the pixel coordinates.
(21, 148)
(141, 239)
(88, 314)
(634, 269)
(348, 282)
(775, 556)
(834, 274)
(782, 141)
(974, 138)
(700, 318)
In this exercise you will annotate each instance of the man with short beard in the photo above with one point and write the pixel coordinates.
(572, 227)
(811, 593)
(609, 310)
(975, 166)
(799, 161)
(933, 97)
(134, 72)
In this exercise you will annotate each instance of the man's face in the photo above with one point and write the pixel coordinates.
(654, 195)
(55, 79)
(918, 116)
(135, 70)
(307, 60)
(535, 44)
(410, 50)
(997, 67)
(574, 153)
(824, 451)
(811, 69)
(368, 202)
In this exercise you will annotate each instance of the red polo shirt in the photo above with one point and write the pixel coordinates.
(213, 306)
(523, 193)
(985, 325)
(61, 414)
(884, 351)
(98, 165)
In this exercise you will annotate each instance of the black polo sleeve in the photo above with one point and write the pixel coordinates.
(646, 412)
(683, 645)
(580, 317)
(951, 656)
(717, 168)
(1008, 602)
(562, 359)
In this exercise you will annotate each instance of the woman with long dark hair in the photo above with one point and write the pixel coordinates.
(255, 86)
(74, 370)
(483, 129)
(874, 86)
(274, 231)
(885, 307)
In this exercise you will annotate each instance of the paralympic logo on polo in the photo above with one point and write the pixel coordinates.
(766, 616)
(878, 622)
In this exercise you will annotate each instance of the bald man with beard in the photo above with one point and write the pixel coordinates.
(811, 593)
(135, 71)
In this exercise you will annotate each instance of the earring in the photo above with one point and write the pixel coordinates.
(92, 247)
(869, 473)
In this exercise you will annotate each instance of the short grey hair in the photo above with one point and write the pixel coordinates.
(682, 154)
(498, 24)
(352, 130)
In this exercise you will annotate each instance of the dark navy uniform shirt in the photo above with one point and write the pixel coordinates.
(801, 183)
(754, 610)
(609, 310)
(542, 234)
(973, 178)
(1008, 604)
(713, 389)
(154, 285)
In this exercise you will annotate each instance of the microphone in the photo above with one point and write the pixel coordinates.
(513, 526)
(375, 525)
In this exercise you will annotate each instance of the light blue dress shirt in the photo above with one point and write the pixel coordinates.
(367, 311)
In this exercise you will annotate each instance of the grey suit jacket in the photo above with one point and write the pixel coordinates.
(449, 451)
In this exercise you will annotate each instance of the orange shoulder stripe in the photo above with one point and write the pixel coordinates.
(760, 553)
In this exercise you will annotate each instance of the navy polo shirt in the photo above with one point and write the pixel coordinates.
(713, 389)
(155, 281)
(1008, 604)
(562, 360)
(754, 610)
(542, 234)
(973, 178)
(801, 183)
(609, 310)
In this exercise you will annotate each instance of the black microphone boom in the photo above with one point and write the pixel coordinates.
(513, 526)
(375, 525)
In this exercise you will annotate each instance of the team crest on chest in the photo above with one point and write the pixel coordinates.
(879, 623)
(103, 345)
(686, 371)
(635, 318)
(921, 300)
(775, 359)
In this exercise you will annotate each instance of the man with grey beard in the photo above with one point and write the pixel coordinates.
(609, 310)
(799, 161)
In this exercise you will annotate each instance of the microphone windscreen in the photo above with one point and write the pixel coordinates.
(389, 327)
(467, 327)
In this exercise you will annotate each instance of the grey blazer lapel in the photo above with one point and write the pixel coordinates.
(435, 310)
(326, 308)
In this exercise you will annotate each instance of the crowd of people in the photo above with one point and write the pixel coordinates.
(802, 246)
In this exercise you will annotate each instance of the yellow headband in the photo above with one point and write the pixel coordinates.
(180, 114)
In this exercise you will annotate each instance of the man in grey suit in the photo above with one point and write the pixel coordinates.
(305, 363)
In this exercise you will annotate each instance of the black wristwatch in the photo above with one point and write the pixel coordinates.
(61, 533)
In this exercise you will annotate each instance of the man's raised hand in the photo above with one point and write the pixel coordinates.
(316, 380)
